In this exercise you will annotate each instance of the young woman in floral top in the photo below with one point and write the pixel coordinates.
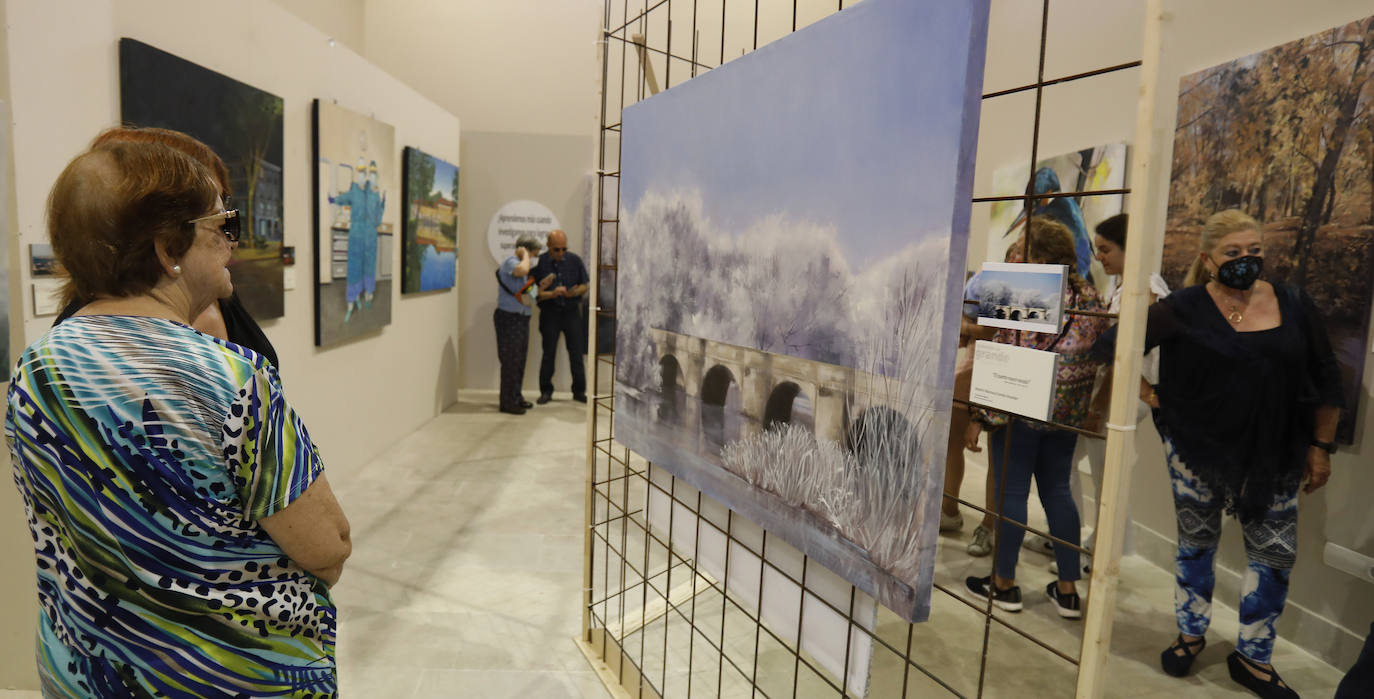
(1041, 450)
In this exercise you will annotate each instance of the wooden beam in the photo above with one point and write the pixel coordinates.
(645, 64)
(1121, 420)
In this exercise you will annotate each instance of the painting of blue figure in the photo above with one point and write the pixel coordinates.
(792, 238)
(355, 220)
(429, 251)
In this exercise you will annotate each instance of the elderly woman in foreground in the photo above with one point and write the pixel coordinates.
(185, 534)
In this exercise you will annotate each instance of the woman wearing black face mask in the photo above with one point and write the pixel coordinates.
(1249, 395)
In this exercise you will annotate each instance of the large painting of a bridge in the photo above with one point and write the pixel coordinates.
(793, 228)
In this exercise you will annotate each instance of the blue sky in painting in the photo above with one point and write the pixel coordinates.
(1042, 284)
(806, 127)
(443, 178)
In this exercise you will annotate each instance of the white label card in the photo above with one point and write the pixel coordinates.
(1018, 380)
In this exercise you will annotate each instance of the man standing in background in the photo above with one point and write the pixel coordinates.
(560, 311)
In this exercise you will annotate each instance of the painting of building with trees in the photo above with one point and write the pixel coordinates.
(786, 330)
(243, 125)
(429, 229)
(1287, 135)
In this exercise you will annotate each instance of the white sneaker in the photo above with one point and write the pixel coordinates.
(1083, 559)
(951, 523)
(1038, 544)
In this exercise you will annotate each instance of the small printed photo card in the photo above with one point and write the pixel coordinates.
(1020, 296)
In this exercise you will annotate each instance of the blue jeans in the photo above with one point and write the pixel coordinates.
(1047, 455)
(1271, 545)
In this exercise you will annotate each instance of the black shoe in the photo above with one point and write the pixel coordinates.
(580, 398)
(1069, 606)
(544, 398)
(1008, 599)
(1271, 687)
(513, 411)
(526, 404)
(1178, 665)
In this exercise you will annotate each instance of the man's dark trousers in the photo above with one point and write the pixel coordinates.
(570, 323)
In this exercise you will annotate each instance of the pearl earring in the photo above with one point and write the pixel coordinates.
(176, 269)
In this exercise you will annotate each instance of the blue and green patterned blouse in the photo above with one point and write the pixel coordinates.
(146, 452)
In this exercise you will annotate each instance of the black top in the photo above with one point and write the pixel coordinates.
(569, 273)
(1240, 407)
(241, 328)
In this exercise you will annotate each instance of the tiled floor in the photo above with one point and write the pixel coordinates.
(466, 573)
(467, 559)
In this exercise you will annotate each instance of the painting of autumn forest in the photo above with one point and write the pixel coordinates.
(1287, 135)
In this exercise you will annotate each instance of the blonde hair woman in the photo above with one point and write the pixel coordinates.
(1249, 395)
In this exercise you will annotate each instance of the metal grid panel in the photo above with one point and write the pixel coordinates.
(665, 627)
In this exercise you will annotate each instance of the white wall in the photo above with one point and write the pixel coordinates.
(524, 77)
(341, 20)
(522, 66)
(499, 168)
(63, 78)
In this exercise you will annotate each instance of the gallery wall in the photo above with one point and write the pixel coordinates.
(499, 168)
(342, 20)
(62, 69)
(524, 76)
(515, 66)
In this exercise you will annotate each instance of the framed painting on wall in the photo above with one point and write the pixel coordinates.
(355, 178)
(787, 283)
(429, 229)
(243, 125)
(1285, 136)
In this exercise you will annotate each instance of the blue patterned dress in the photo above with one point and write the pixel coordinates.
(146, 453)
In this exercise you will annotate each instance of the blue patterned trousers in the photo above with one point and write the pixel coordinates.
(1270, 545)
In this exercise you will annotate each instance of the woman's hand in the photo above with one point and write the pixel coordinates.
(1147, 394)
(1094, 422)
(1318, 469)
(971, 435)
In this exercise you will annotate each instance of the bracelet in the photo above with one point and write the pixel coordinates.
(1328, 447)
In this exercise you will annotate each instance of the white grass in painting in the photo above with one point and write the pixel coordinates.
(875, 490)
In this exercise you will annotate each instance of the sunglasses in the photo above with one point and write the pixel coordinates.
(230, 228)
(558, 249)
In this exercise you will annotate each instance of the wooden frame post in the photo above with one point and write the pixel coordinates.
(1121, 420)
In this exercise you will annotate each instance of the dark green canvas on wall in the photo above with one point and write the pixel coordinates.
(244, 126)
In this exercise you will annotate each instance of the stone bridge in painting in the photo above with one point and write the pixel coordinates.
(1014, 312)
(771, 388)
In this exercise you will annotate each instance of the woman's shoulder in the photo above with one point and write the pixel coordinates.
(1188, 297)
(140, 340)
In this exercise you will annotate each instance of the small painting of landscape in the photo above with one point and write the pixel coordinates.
(243, 125)
(1286, 135)
(787, 275)
(429, 253)
(1020, 296)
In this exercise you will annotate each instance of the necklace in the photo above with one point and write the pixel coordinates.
(1235, 316)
